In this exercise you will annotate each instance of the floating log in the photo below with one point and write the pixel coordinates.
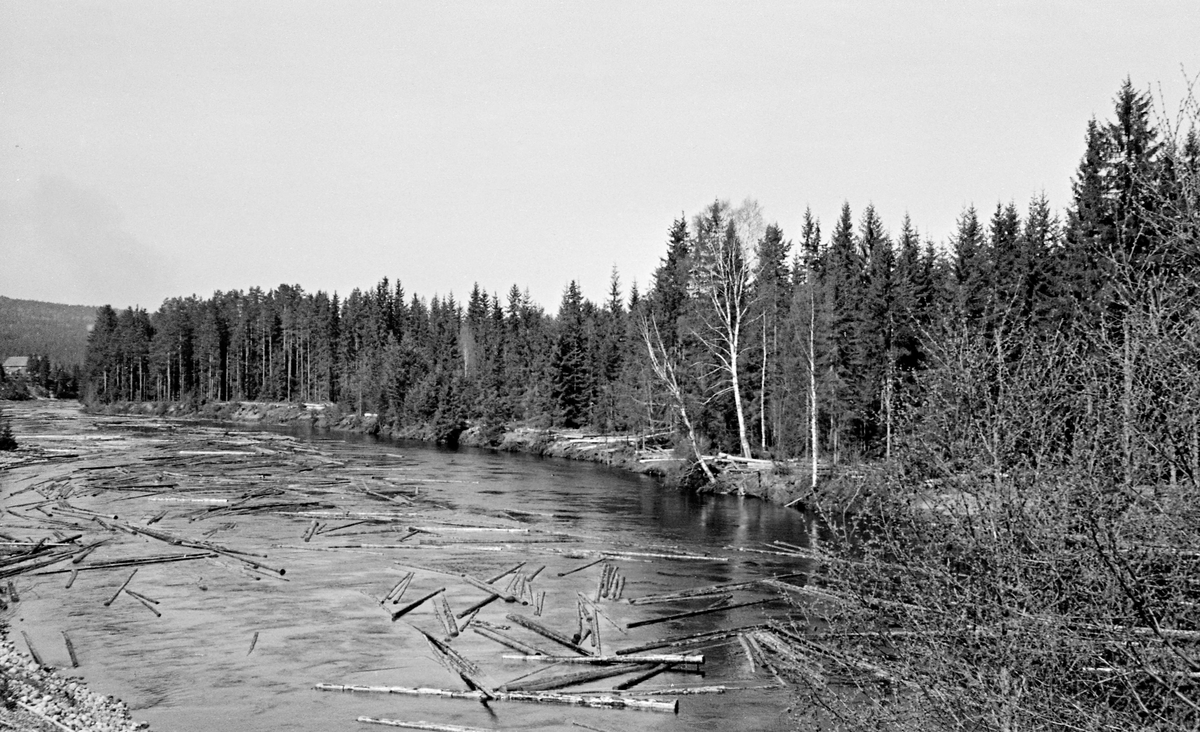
(687, 639)
(581, 677)
(119, 589)
(597, 610)
(581, 568)
(541, 602)
(435, 727)
(594, 618)
(507, 597)
(507, 640)
(32, 651)
(71, 579)
(693, 613)
(312, 529)
(697, 557)
(396, 615)
(398, 591)
(706, 591)
(136, 562)
(479, 605)
(70, 649)
(140, 596)
(454, 662)
(445, 615)
(648, 674)
(506, 572)
(602, 701)
(466, 623)
(553, 635)
(695, 658)
(147, 605)
(253, 643)
(328, 530)
(85, 552)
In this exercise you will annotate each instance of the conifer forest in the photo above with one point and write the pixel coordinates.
(1010, 418)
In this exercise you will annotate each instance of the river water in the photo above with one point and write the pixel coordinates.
(190, 669)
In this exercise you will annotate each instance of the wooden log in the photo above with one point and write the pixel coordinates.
(598, 611)
(687, 639)
(506, 572)
(328, 530)
(592, 563)
(71, 579)
(86, 551)
(137, 562)
(507, 640)
(119, 589)
(553, 635)
(453, 661)
(707, 590)
(70, 649)
(432, 726)
(645, 675)
(647, 555)
(541, 602)
(597, 701)
(531, 577)
(479, 605)
(444, 615)
(581, 677)
(671, 658)
(147, 605)
(507, 597)
(140, 596)
(253, 643)
(398, 594)
(312, 529)
(693, 613)
(594, 618)
(396, 615)
(467, 622)
(32, 651)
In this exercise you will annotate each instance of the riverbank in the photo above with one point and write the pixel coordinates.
(784, 483)
(35, 698)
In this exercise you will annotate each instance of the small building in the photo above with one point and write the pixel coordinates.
(16, 365)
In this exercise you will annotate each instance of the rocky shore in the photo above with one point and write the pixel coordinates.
(35, 699)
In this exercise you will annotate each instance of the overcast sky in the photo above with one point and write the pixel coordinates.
(152, 149)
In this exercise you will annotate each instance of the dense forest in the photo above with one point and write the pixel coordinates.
(1023, 401)
(776, 345)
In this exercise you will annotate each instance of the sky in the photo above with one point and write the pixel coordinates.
(156, 149)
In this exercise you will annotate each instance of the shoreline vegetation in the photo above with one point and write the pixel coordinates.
(786, 483)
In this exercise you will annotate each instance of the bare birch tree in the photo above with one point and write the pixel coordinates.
(664, 368)
(722, 280)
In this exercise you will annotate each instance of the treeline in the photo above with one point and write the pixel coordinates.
(745, 341)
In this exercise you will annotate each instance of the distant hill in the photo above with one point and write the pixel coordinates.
(29, 327)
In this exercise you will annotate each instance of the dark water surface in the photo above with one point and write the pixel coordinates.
(190, 669)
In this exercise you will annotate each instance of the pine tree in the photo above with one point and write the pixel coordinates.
(7, 441)
(571, 377)
(772, 290)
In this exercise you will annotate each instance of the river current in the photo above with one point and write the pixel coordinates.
(190, 669)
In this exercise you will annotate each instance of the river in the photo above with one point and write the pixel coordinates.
(191, 668)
